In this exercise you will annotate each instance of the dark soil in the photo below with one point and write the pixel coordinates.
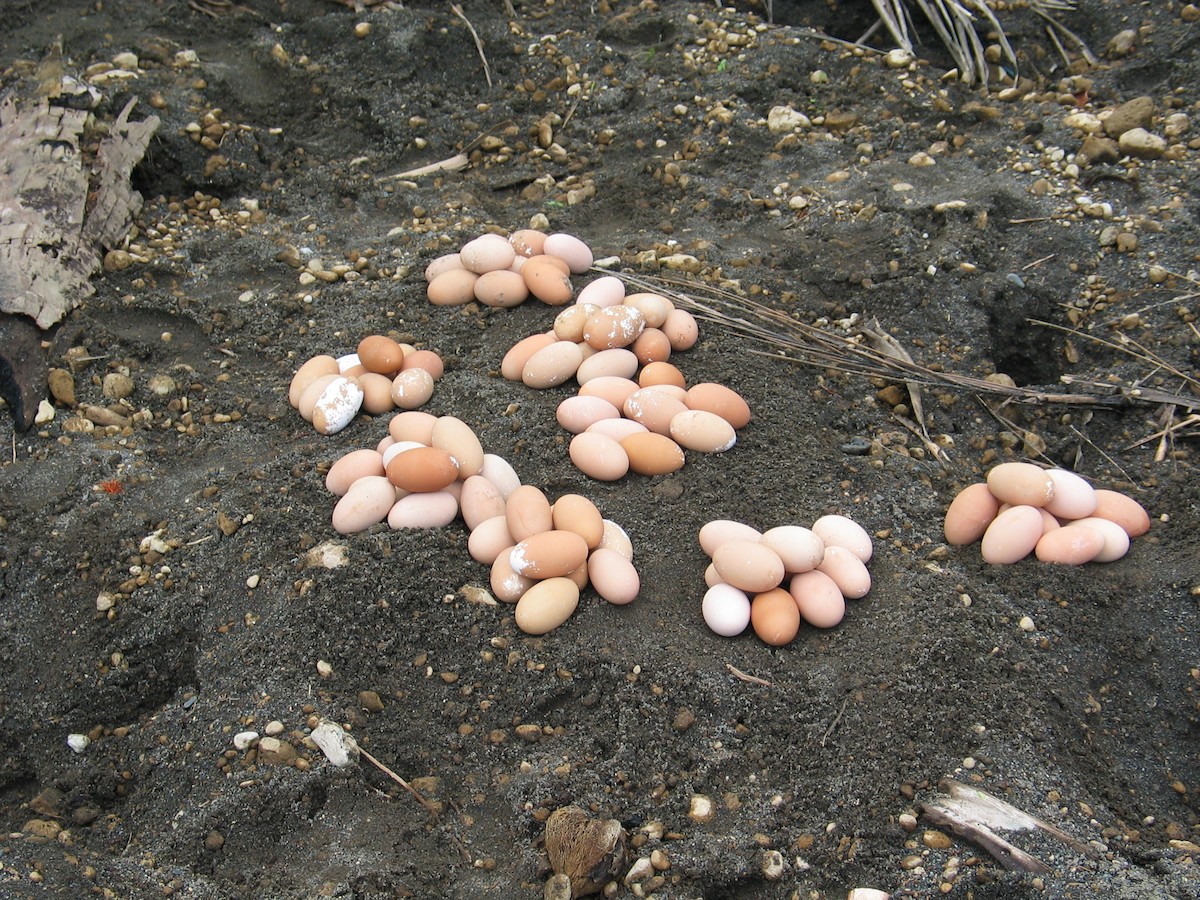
(1090, 720)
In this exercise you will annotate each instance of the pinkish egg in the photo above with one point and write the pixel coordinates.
(1116, 539)
(442, 264)
(513, 363)
(528, 512)
(348, 469)
(970, 513)
(570, 249)
(488, 539)
(552, 365)
(366, 503)
(576, 414)
(1012, 535)
(617, 429)
(841, 531)
(848, 572)
(453, 287)
(607, 290)
(1073, 497)
(487, 253)
(1070, 545)
(480, 500)
(818, 598)
(501, 289)
(436, 509)
(720, 531)
(1124, 510)
(613, 576)
(614, 363)
(599, 456)
(748, 565)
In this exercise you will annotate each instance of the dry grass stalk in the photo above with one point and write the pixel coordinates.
(487, 70)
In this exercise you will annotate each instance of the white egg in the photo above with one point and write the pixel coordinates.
(726, 610)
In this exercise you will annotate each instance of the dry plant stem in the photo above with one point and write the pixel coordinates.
(453, 164)
(400, 781)
(742, 676)
(487, 70)
(836, 720)
(1112, 462)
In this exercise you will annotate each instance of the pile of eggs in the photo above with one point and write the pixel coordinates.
(429, 469)
(1052, 513)
(772, 580)
(380, 376)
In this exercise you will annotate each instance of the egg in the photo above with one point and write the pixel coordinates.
(546, 605)
(435, 509)
(613, 577)
(453, 287)
(501, 289)
(350, 364)
(617, 429)
(613, 326)
(487, 253)
(1073, 496)
(570, 249)
(650, 453)
(568, 324)
(681, 329)
(969, 514)
(726, 610)
(1071, 545)
(653, 407)
(513, 363)
(1021, 484)
(379, 353)
(799, 547)
(337, 405)
(748, 565)
(423, 359)
(616, 539)
(398, 447)
(844, 532)
(716, 398)
(314, 368)
(1124, 510)
(377, 393)
(527, 242)
(653, 307)
(612, 388)
(652, 346)
(348, 469)
(818, 598)
(574, 512)
(616, 362)
(847, 571)
(366, 503)
(506, 584)
(719, 531)
(656, 373)
(576, 414)
(1116, 539)
(548, 554)
(489, 539)
(546, 281)
(422, 469)
(607, 290)
(480, 500)
(312, 393)
(1012, 535)
(412, 388)
(458, 439)
(413, 425)
(775, 617)
(528, 512)
(441, 264)
(500, 472)
(702, 431)
(598, 456)
(552, 365)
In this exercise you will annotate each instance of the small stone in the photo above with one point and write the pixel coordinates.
(116, 260)
(274, 752)
(43, 829)
(558, 887)
(1098, 150)
(784, 119)
(327, 555)
(324, 669)
(370, 701)
(898, 58)
(253, 581)
(117, 386)
(274, 728)
(936, 840)
(530, 734)
(701, 808)
(227, 524)
(162, 385)
(841, 120)
(332, 740)
(214, 841)
(1140, 143)
(243, 740)
(639, 871)
(62, 386)
(772, 865)
(907, 821)
(1190, 13)
(684, 719)
(44, 414)
(1127, 242)
(1121, 43)
(127, 61)
(78, 742)
(1026, 624)
(1136, 113)
(660, 860)
(362, 29)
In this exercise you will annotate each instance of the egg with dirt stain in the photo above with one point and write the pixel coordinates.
(613, 326)
(501, 289)
(548, 554)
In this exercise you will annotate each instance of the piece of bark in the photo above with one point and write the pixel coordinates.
(23, 367)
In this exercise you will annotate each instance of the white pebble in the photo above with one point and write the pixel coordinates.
(338, 746)
(244, 739)
(78, 742)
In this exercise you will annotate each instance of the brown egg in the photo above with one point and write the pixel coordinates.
(716, 398)
(775, 617)
(424, 359)
(1021, 484)
(379, 353)
(546, 605)
(656, 373)
(549, 554)
(413, 425)
(513, 364)
(546, 280)
(574, 512)
(654, 307)
(970, 513)
(422, 469)
(651, 454)
(527, 242)
(377, 393)
(614, 326)
(681, 329)
(527, 512)
(748, 565)
(1071, 545)
(501, 289)
(1124, 510)
(313, 369)
(653, 407)
(651, 346)
(506, 584)
(454, 287)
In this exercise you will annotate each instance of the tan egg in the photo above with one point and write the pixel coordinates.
(574, 512)
(612, 388)
(969, 514)
(748, 565)
(654, 307)
(652, 454)
(348, 469)
(613, 326)
(1124, 510)
(716, 398)
(617, 429)
(546, 280)
(514, 360)
(379, 353)
(442, 264)
(546, 605)
(1116, 539)
(433, 509)
(1071, 545)
(570, 249)
(568, 324)
(799, 547)
(661, 373)
(527, 512)
(552, 365)
(1012, 535)
(312, 393)
(848, 572)
(422, 469)
(337, 406)
(424, 359)
(458, 439)
(548, 554)
(576, 414)
(651, 346)
(1049, 523)
(507, 585)
(841, 531)
(454, 287)
(720, 531)
(607, 290)
(412, 388)
(489, 539)
(580, 577)
(616, 539)
(702, 431)
(480, 500)
(598, 456)
(775, 617)
(413, 425)
(501, 289)
(818, 598)
(499, 472)
(613, 576)
(313, 369)
(614, 363)
(654, 408)
(487, 253)
(377, 393)
(366, 503)
(527, 242)
(681, 329)
(1021, 484)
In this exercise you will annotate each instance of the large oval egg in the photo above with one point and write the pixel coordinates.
(613, 576)
(574, 512)
(775, 617)
(354, 465)
(847, 571)
(548, 554)
(799, 547)
(1071, 545)
(818, 598)
(969, 514)
(1124, 510)
(599, 456)
(1021, 484)
(1073, 496)
(527, 512)
(719, 531)
(748, 565)
(844, 532)
(366, 503)
(651, 454)
(422, 469)
(458, 439)
(1012, 535)
(546, 605)
(435, 509)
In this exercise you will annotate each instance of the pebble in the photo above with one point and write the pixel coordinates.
(214, 841)
(78, 742)
(936, 840)
(117, 386)
(44, 414)
(784, 119)
(701, 809)
(1121, 44)
(772, 865)
(558, 887)
(324, 669)
(898, 58)
(274, 752)
(370, 701)
(1140, 143)
(244, 739)
(640, 870)
(62, 386)
(332, 740)
(274, 728)
(1136, 113)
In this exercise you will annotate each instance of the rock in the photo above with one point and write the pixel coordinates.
(338, 746)
(898, 58)
(62, 386)
(784, 119)
(1098, 150)
(274, 752)
(701, 809)
(1136, 113)
(41, 829)
(327, 555)
(44, 414)
(640, 870)
(1121, 44)
(1141, 144)
(772, 865)
(370, 701)
(214, 841)
(558, 887)
(78, 742)
(589, 851)
(243, 739)
(117, 386)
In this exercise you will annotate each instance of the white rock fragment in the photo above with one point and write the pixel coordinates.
(701, 808)
(327, 555)
(640, 870)
(898, 58)
(1142, 144)
(784, 119)
(244, 739)
(772, 865)
(78, 742)
(338, 746)
(45, 413)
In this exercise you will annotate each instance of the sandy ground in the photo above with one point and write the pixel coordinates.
(158, 592)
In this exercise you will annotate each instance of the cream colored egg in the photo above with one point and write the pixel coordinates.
(413, 425)
(527, 511)
(570, 249)
(615, 538)
(1021, 484)
(442, 264)
(1071, 545)
(513, 363)
(840, 531)
(818, 599)
(1073, 498)
(749, 565)
(453, 287)
(546, 605)
(488, 539)
(576, 414)
(317, 367)
(607, 290)
(653, 307)
(458, 439)
(653, 407)
(435, 509)
(598, 456)
(480, 500)
(719, 531)
(487, 253)
(500, 472)
(613, 576)
(366, 503)
(702, 431)
(552, 365)
(799, 547)
(617, 429)
(501, 289)
(568, 324)
(847, 571)
(1116, 539)
(349, 468)
(398, 447)
(615, 363)
(412, 388)
(1012, 535)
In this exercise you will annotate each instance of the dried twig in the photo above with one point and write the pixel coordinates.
(396, 778)
(452, 164)
(487, 70)
(742, 676)
(836, 719)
